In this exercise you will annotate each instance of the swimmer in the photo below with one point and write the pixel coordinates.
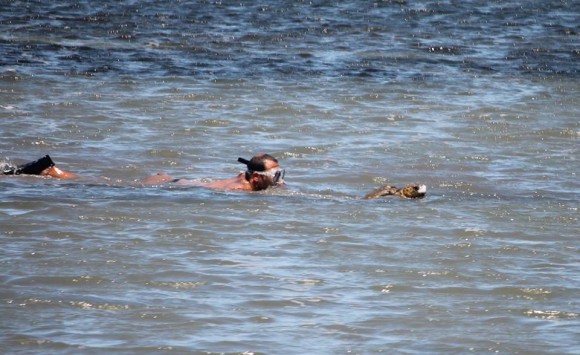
(262, 172)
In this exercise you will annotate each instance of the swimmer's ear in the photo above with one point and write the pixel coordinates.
(255, 177)
(258, 182)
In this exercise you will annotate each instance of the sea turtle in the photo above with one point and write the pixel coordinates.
(409, 191)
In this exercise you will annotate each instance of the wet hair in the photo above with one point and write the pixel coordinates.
(257, 163)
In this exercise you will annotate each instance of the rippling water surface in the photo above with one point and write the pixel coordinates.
(477, 100)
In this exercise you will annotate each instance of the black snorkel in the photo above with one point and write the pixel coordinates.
(243, 161)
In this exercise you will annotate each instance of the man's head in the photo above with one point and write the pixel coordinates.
(263, 171)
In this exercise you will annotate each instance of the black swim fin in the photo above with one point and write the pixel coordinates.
(32, 168)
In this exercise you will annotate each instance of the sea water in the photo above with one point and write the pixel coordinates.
(476, 99)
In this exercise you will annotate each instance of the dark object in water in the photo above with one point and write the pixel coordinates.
(409, 191)
(32, 168)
